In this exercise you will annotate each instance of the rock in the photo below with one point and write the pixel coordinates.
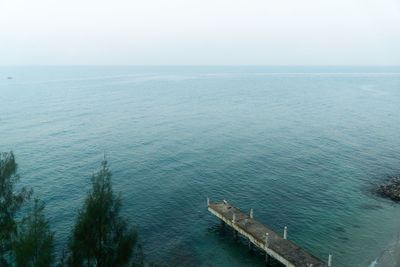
(391, 190)
(340, 229)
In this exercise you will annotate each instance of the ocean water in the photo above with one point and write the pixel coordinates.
(303, 146)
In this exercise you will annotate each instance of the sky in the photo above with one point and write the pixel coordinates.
(200, 32)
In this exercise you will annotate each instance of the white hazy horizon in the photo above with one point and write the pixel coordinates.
(200, 32)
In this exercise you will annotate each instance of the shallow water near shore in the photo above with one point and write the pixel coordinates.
(302, 146)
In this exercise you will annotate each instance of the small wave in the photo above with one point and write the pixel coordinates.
(374, 263)
(389, 257)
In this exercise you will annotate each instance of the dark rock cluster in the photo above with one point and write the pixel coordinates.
(391, 189)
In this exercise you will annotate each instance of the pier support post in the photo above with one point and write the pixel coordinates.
(235, 234)
(330, 260)
(221, 224)
(267, 259)
(285, 232)
(250, 246)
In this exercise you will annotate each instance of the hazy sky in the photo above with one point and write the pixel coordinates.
(206, 32)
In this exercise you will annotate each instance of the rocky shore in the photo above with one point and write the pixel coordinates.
(391, 189)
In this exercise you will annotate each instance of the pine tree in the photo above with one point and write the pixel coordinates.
(34, 245)
(11, 201)
(101, 236)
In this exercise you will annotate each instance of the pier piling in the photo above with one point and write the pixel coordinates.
(250, 245)
(235, 233)
(267, 259)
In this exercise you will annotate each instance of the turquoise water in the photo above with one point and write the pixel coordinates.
(302, 146)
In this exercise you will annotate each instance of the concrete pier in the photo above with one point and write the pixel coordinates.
(274, 245)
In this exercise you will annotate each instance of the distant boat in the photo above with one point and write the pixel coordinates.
(9, 77)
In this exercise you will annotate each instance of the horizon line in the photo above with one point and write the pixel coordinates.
(198, 65)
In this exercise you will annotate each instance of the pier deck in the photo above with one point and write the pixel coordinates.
(272, 243)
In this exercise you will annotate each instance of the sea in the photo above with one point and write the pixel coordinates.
(305, 146)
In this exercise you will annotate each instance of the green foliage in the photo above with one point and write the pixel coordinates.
(139, 259)
(34, 245)
(11, 201)
(101, 237)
